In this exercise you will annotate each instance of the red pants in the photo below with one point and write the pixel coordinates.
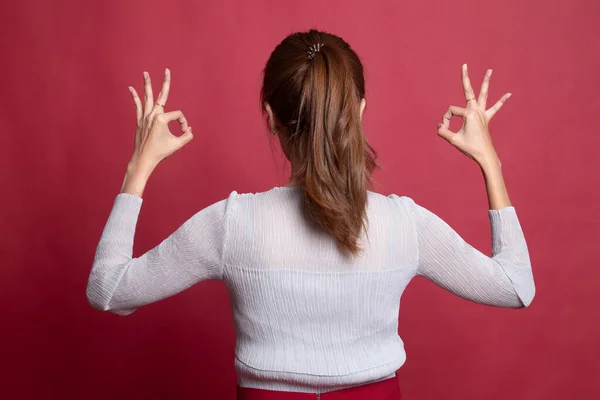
(388, 389)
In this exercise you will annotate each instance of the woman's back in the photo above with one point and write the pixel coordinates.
(304, 314)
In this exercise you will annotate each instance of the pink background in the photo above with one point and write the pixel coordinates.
(67, 126)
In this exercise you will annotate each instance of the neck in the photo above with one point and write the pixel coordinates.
(294, 181)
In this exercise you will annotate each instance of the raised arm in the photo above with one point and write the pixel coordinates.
(194, 252)
(505, 279)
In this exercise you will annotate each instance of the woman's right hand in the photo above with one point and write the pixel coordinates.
(473, 139)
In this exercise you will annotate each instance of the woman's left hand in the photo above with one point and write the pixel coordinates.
(153, 140)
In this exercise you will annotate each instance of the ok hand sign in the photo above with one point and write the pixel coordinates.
(153, 140)
(473, 139)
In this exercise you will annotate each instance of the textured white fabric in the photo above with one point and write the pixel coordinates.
(307, 318)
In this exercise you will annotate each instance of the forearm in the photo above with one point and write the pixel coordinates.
(509, 248)
(503, 280)
(494, 182)
(114, 252)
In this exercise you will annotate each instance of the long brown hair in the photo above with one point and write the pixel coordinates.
(314, 83)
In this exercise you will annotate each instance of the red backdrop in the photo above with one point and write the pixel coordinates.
(67, 133)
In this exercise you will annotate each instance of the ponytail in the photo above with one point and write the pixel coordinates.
(325, 131)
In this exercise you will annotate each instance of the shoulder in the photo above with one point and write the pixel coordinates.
(402, 201)
(247, 201)
(272, 191)
(217, 209)
(393, 205)
(274, 194)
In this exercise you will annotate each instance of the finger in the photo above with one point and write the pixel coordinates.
(451, 112)
(186, 137)
(164, 92)
(138, 105)
(148, 98)
(483, 94)
(181, 141)
(469, 94)
(494, 109)
(176, 115)
(445, 133)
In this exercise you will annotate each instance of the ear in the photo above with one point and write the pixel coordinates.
(271, 118)
(363, 104)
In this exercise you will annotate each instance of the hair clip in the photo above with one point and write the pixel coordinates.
(313, 49)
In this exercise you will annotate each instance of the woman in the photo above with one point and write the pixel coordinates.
(315, 269)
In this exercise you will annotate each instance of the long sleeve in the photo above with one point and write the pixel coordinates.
(194, 252)
(505, 279)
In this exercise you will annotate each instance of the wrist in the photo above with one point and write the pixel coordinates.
(136, 177)
(489, 161)
(140, 167)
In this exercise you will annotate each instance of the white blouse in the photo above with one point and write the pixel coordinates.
(307, 318)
